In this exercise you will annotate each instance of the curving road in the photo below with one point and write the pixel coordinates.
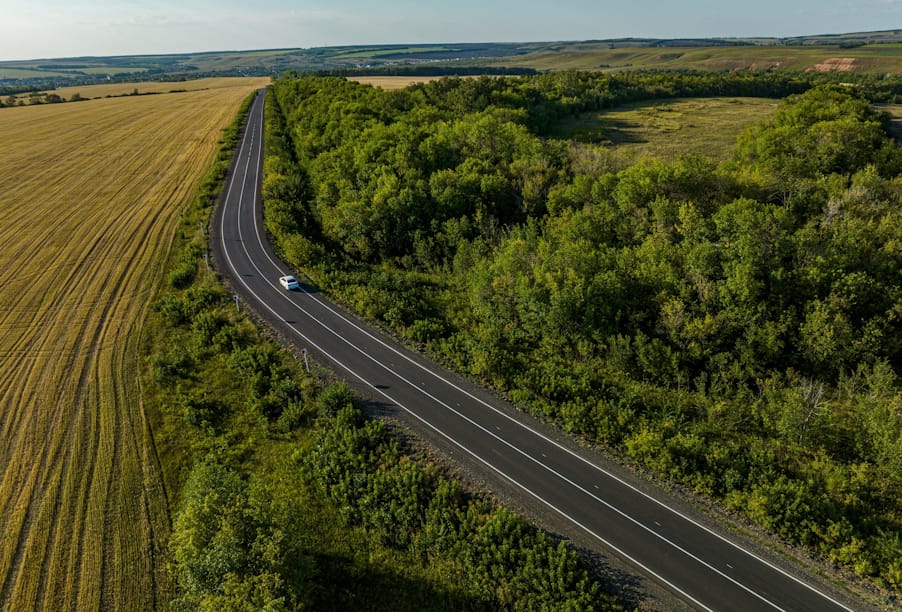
(704, 568)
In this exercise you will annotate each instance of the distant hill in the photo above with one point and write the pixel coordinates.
(869, 52)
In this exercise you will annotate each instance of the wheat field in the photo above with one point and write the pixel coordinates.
(90, 198)
(392, 82)
(144, 87)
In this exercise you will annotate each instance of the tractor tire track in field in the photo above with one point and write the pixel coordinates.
(91, 198)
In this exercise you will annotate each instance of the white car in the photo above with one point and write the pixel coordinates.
(289, 282)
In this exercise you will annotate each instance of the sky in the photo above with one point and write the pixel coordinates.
(38, 29)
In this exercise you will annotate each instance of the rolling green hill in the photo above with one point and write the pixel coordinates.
(864, 52)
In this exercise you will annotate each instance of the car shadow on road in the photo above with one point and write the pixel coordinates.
(307, 287)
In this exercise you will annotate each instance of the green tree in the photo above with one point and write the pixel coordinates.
(829, 129)
(226, 551)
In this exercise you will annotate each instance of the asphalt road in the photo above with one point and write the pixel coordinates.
(702, 567)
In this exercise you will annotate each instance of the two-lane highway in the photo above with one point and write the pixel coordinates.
(703, 567)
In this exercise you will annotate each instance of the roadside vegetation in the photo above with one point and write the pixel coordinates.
(733, 326)
(284, 496)
(91, 198)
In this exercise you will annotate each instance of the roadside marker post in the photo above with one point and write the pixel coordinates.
(306, 363)
(237, 306)
(207, 260)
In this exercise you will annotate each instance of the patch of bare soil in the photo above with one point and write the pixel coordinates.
(834, 64)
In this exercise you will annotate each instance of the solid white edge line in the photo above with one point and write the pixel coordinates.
(561, 447)
(579, 457)
(413, 414)
(501, 413)
(420, 389)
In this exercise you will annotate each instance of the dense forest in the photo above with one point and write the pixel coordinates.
(735, 327)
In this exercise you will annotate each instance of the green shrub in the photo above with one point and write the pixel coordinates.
(186, 265)
(333, 397)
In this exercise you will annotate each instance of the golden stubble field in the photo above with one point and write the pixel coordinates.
(90, 198)
(392, 82)
(144, 87)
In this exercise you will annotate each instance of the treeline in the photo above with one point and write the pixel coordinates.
(76, 79)
(39, 98)
(285, 497)
(12, 96)
(36, 98)
(417, 70)
(735, 327)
